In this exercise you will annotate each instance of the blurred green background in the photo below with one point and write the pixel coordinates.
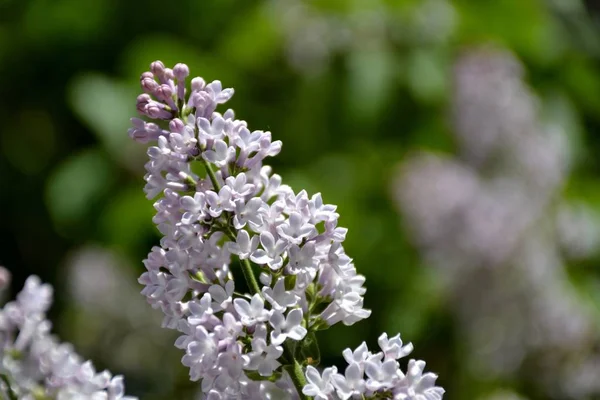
(351, 87)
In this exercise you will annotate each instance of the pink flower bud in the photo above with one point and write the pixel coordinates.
(142, 102)
(169, 74)
(198, 84)
(157, 68)
(176, 125)
(163, 92)
(149, 85)
(181, 71)
(153, 110)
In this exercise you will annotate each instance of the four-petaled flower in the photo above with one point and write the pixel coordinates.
(287, 327)
(271, 252)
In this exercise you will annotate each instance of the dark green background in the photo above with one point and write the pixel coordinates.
(70, 178)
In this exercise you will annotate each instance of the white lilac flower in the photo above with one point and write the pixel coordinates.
(418, 385)
(239, 186)
(253, 312)
(271, 252)
(381, 375)
(221, 155)
(247, 212)
(347, 307)
(211, 130)
(351, 383)
(289, 326)
(34, 363)
(319, 387)
(369, 375)
(222, 295)
(244, 245)
(230, 329)
(263, 357)
(201, 352)
(195, 208)
(280, 298)
(393, 348)
(219, 201)
(200, 310)
(295, 229)
(302, 258)
(358, 356)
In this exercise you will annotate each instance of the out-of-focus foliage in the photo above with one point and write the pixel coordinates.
(351, 87)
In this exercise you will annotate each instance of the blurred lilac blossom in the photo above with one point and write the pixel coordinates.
(35, 365)
(493, 224)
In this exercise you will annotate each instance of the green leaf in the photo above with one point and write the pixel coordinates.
(106, 106)
(255, 376)
(309, 350)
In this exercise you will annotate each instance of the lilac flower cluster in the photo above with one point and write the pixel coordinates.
(35, 365)
(220, 202)
(384, 379)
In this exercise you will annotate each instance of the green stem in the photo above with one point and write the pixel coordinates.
(211, 174)
(246, 268)
(297, 375)
(249, 275)
(11, 393)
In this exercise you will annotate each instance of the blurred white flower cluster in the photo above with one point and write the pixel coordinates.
(35, 365)
(493, 223)
(218, 201)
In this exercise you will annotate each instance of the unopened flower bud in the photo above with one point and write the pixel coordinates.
(181, 71)
(163, 92)
(142, 102)
(176, 125)
(157, 68)
(149, 85)
(153, 110)
(198, 84)
(169, 74)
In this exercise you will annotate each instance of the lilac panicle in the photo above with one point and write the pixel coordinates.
(35, 365)
(239, 344)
